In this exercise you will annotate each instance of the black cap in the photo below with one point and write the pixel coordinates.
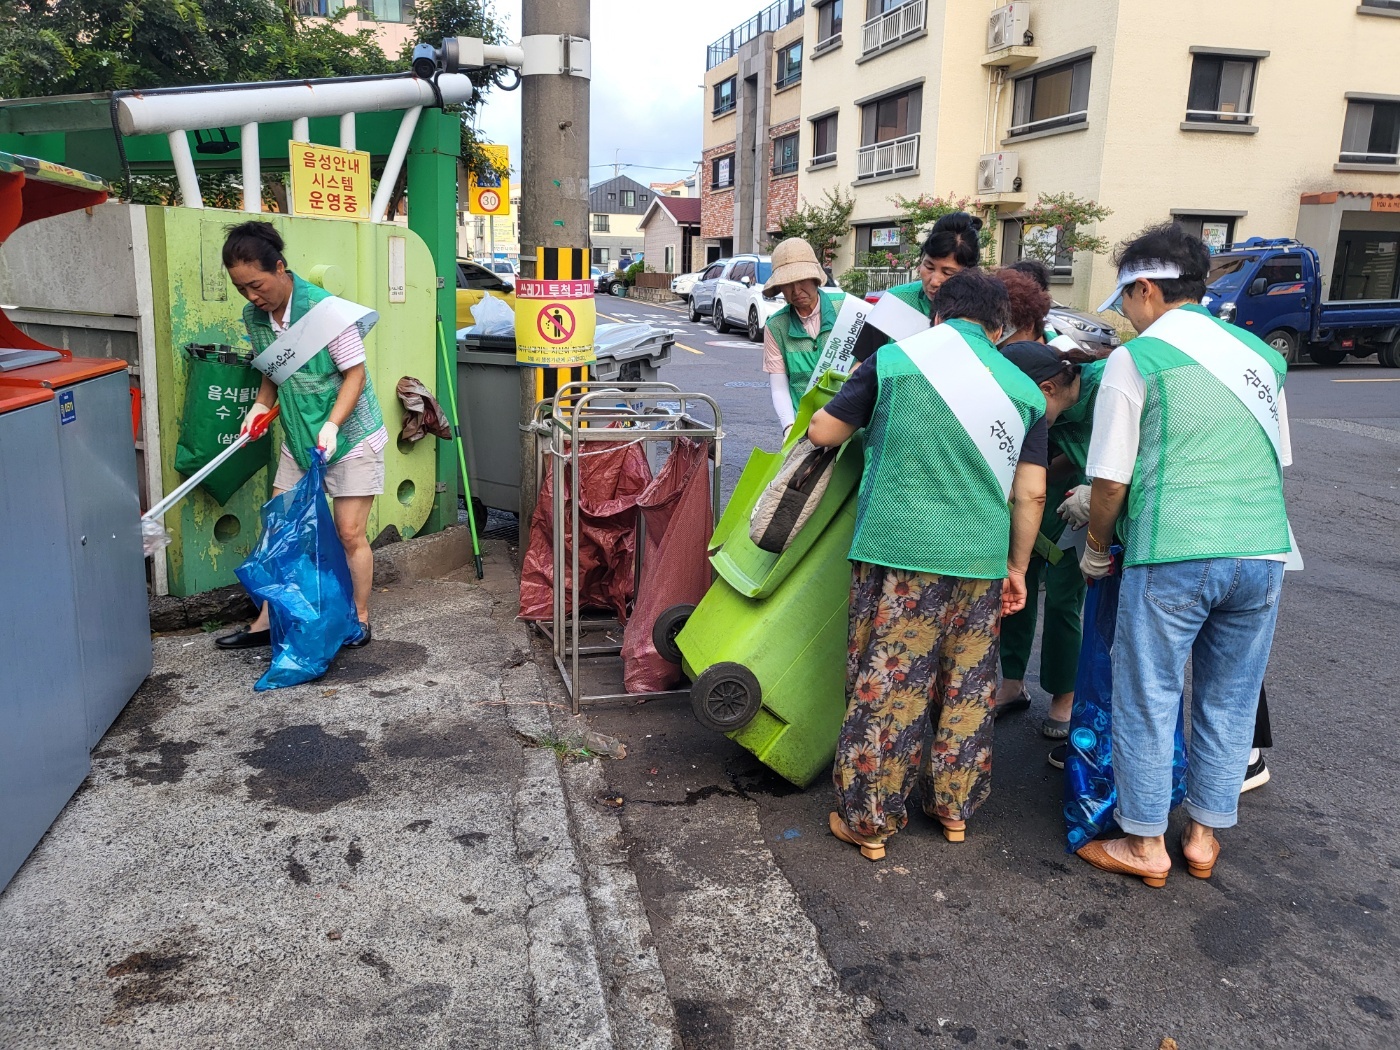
(1037, 360)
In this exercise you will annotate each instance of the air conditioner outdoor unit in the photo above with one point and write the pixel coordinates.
(996, 172)
(1009, 25)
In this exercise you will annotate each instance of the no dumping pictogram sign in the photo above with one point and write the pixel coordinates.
(556, 323)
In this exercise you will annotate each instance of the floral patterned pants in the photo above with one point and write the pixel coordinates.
(922, 663)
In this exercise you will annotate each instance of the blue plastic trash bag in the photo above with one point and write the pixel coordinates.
(1089, 791)
(299, 569)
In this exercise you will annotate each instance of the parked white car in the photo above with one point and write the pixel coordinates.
(739, 300)
(502, 268)
(684, 283)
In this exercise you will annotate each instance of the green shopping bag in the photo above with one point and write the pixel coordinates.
(221, 388)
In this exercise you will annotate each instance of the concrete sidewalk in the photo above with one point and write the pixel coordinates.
(378, 859)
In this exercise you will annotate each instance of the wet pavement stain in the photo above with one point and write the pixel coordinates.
(419, 826)
(468, 839)
(1376, 1006)
(357, 665)
(704, 1025)
(152, 977)
(170, 764)
(460, 740)
(296, 871)
(307, 769)
(693, 797)
(354, 855)
(370, 958)
(156, 696)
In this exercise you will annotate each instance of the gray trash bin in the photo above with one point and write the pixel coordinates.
(488, 397)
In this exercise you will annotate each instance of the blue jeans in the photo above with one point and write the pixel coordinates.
(1221, 613)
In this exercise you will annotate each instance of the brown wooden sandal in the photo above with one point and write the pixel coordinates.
(952, 833)
(1095, 854)
(868, 849)
(1201, 871)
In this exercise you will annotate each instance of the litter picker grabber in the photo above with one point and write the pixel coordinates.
(154, 538)
(454, 421)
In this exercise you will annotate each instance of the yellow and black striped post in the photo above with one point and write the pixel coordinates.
(560, 264)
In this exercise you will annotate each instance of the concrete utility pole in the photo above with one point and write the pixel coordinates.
(553, 185)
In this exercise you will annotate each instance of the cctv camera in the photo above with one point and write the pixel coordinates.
(425, 61)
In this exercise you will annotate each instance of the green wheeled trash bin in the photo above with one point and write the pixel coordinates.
(766, 646)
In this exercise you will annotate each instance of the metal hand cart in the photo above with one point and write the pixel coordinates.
(582, 414)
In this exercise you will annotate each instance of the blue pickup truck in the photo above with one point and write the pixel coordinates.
(1273, 288)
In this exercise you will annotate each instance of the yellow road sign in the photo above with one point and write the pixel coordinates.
(555, 316)
(490, 195)
(329, 182)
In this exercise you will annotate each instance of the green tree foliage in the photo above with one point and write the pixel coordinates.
(1064, 215)
(917, 216)
(820, 225)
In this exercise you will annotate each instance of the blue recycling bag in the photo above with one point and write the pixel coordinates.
(1090, 794)
(299, 569)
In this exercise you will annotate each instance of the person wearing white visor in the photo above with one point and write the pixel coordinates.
(1191, 413)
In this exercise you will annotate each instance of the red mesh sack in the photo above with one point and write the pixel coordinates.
(678, 518)
(610, 480)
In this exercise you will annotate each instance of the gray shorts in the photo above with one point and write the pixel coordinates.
(351, 476)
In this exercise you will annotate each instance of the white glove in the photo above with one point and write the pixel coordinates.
(255, 410)
(1095, 565)
(1075, 508)
(326, 439)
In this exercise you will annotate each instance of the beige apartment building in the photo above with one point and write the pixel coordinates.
(1270, 118)
(391, 21)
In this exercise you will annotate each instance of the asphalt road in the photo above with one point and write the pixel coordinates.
(1006, 940)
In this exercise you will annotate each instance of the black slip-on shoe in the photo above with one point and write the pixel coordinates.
(244, 639)
(1257, 775)
(363, 640)
(1056, 757)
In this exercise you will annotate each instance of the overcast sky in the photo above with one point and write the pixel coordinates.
(648, 68)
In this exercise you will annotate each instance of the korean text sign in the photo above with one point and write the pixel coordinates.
(329, 182)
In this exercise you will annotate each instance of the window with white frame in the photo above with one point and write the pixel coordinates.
(600, 223)
(629, 198)
(1222, 90)
(1042, 243)
(1371, 133)
(1051, 98)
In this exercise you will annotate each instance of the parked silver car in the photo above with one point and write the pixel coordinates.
(702, 292)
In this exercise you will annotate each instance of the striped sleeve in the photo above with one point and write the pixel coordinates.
(347, 349)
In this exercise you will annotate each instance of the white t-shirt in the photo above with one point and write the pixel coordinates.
(1113, 442)
(347, 350)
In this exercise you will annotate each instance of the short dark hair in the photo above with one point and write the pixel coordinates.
(254, 242)
(955, 235)
(973, 296)
(1029, 302)
(1035, 270)
(1170, 243)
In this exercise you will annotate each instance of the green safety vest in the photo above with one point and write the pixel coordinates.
(929, 501)
(1207, 483)
(1071, 431)
(800, 351)
(309, 394)
(913, 294)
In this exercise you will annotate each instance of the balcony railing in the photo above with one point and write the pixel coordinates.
(893, 26)
(883, 278)
(769, 20)
(1369, 158)
(887, 158)
(1079, 116)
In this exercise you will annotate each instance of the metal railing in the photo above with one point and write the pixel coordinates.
(883, 278)
(1077, 117)
(770, 19)
(886, 158)
(792, 76)
(1368, 158)
(1223, 116)
(889, 28)
(824, 158)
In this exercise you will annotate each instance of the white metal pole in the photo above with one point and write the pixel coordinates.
(252, 170)
(392, 166)
(190, 195)
(347, 131)
(491, 220)
(301, 129)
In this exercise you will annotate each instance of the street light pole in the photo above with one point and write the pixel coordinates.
(553, 185)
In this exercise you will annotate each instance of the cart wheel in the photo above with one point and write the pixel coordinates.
(726, 697)
(665, 629)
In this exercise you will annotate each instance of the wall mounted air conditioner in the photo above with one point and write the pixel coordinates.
(996, 172)
(1009, 25)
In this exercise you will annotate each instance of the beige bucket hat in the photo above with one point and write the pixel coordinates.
(793, 260)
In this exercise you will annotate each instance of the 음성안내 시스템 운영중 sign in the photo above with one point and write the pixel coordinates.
(329, 182)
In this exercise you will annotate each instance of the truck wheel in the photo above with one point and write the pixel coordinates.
(1285, 342)
(665, 629)
(1327, 354)
(717, 316)
(1389, 355)
(726, 697)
